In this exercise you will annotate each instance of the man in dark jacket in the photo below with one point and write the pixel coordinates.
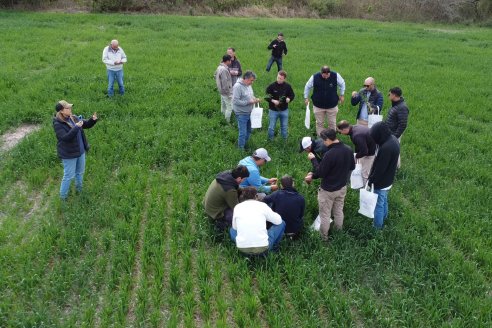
(334, 171)
(369, 99)
(72, 145)
(398, 114)
(383, 169)
(365, 147)
(234, 66)
(279, 95)
(317, 147)
(278, 48)
(289, 204)
(222, 195)
(325, 97)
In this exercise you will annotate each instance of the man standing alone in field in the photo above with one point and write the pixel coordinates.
(279, 94)
(114, 57)
(369, 99)
(234, 66)
(224, 85)
(398, 114)
(384, 169)
(365, 147)
(243, 101)
(334, 171)
(278, 48)
(222, 196)
(325, 97)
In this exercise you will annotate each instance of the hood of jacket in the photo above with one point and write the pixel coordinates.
(380, 133)
(226, 180)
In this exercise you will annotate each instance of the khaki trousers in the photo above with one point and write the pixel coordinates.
(226, 107)
(331, 202)
(366, 163)
(362, 122)
(331, 116)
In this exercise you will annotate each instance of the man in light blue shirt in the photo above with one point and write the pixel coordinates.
(263, 185)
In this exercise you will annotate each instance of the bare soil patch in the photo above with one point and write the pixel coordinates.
(11, 138)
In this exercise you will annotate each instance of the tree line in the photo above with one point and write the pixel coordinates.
(449, 11)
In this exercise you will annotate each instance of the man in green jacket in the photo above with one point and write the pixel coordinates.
(223, 194)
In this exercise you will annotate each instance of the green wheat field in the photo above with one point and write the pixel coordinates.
(135, 248)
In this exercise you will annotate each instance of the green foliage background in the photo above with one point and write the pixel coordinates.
(135, 249)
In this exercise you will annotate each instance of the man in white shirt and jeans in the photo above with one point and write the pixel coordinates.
(114, 57)
(249, 225)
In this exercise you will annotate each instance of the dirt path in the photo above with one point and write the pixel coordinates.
(11, 138)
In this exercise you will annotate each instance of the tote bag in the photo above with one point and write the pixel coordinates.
(356, 181)
(256, 116)
(317, 223)
(307, 119)
(368, 201)
(374, 117)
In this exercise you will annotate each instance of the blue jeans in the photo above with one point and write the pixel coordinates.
(278, 60)
(275, 234)
(284, 120)
(244, 126)
(118, 76)
(72, 168)
(381, 210)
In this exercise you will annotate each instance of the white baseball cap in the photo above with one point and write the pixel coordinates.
(262, 153)
(306, 142)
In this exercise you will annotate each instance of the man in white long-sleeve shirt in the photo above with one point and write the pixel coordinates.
(249, 225)
(325, 97)
(114, 57)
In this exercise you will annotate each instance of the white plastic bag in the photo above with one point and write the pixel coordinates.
(356, 181)
(307, 119)
(367, 202)
(256, 116)
(317, 223)
(374, 118)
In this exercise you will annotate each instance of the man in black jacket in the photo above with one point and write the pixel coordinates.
(279, 95)
(317, 147)
(289, 204)
(278, 48)
(383, 169)
(334, 171)
(398, 114)
(365, 147)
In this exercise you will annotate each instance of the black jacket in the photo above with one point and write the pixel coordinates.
(279, 92)
(280, 49)
(290, 205)
(383, 169)
(68, 146)
(363, 142)
(335, 167)
(398, 117)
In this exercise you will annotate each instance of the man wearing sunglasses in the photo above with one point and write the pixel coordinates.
(369, 99)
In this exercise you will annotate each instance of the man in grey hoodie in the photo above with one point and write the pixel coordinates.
(243, 101)
(224, 85)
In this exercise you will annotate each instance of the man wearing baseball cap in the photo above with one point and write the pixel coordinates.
(253, 163)
(317, 147)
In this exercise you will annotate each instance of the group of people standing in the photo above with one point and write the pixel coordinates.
(377, 150)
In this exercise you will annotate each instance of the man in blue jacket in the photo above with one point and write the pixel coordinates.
(370, 100)
(253, 163)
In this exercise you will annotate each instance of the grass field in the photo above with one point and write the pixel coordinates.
(135, 249)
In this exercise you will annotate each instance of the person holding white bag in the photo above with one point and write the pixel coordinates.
(365, 147)
(383, 169)
(243, 100)
(369, 98)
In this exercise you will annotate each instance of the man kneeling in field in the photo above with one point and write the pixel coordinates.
(222, 196)
(249, 230)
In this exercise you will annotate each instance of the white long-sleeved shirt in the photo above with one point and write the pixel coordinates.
(110, 56)
(249, 219)
(309, 85)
